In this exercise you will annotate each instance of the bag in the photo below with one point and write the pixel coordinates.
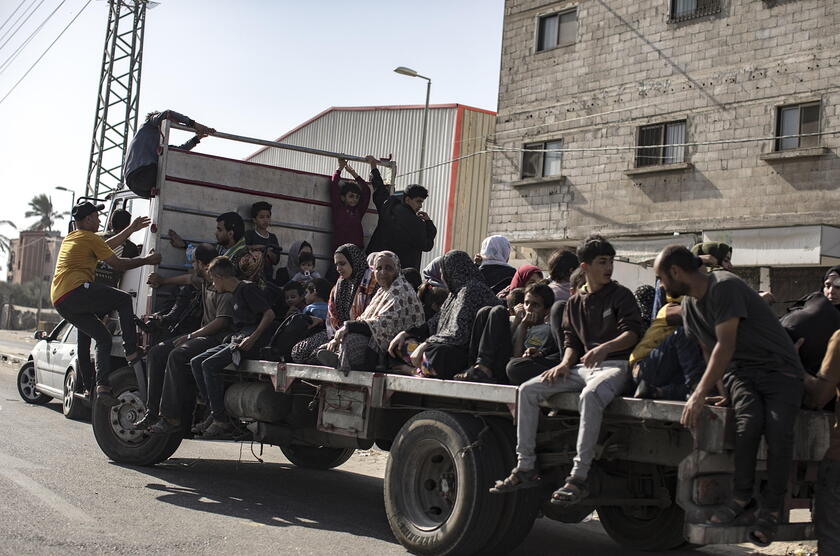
(816, 321)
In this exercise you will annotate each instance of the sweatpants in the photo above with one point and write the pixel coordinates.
(80, 308)
(766, 403)
(598, 386)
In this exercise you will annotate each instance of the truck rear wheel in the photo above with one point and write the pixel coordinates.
(436, 484)
(316, 457)
(112, 426)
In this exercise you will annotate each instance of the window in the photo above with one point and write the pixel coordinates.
(540, 164)
(556, 30)
(795, 120)
(682, 10)
(657, 144)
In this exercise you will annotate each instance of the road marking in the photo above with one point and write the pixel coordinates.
(44, 494)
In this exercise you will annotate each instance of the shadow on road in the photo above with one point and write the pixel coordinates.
(274, 494)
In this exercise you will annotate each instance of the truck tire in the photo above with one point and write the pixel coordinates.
(437, 478)
(71, 406)
(26, 385)
(648, 528)
(316, 457)
(113, 434)
(521, 507)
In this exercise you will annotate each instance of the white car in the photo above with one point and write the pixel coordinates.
(50, 372)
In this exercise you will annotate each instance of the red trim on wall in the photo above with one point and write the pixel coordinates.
(453, 178)
(254, 192)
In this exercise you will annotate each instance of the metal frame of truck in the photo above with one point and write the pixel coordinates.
(653, 483)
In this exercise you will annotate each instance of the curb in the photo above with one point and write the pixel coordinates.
(12, 358)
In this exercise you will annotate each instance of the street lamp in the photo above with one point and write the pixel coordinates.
(62, 188)
(402, 70)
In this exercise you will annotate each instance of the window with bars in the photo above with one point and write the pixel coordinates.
(798, 119)
(661, 144)
(683, 10)
(539, 164)
(556, 30)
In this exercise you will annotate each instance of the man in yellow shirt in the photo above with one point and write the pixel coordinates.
(79, 300)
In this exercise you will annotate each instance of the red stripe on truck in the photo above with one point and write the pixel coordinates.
(453, 179)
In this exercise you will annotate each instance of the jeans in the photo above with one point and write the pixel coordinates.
(81, 306)
(168, 369)
(827, 517)
(765, 403)
(598, 386)
(675, 366)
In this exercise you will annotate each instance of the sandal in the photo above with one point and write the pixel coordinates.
(766, 524)
(474, 374)
(162, 426)
(518, 478)
(106, 397)
(731, 512)
(572, 492)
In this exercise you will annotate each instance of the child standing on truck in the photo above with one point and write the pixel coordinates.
(350, 202)
(601, 326)
(261, 240)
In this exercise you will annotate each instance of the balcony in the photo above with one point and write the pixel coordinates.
(685, 10)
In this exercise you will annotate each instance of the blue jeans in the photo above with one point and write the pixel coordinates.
(675, 366)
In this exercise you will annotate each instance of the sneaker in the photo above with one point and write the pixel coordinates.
(202, 426)
(162, 426)
(327, 358)
(218, 431)
(106, 397)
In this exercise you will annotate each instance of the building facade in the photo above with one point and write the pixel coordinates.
(32, 256)
(642, 119)
(457, 172)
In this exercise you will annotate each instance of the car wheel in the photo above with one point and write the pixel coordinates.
(72, 406)
(26, 385)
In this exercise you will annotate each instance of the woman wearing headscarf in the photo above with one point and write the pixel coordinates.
(432, 273)
(348, 299)
(395, 307)
(283, 275)
(645, 295)
(494, 267)
(524, 277)
(446, 349)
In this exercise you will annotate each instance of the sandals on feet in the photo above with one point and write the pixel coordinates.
(105, 396)
(162, 426)
(572, 492)
(518, 478)
(731, 512)
(474, 374)
(766, 524)
(145, 422)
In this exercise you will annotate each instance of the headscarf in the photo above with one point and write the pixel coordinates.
(433, 273)
(830, 271)
(292, 264)
(495, 250)
(394, 309)
(467, 294)
(645, 295)
(341, 297)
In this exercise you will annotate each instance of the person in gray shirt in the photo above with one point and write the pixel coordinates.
(141, 159)
(744, 344)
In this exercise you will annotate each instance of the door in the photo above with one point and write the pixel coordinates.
(63, 353)
(45, 371)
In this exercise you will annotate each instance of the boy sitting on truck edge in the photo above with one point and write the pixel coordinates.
(744, 344)
(317, 293)
(261, 240)
(601, 325)
(168, 361)
(252, 321)
(294, 293)
(534, 349)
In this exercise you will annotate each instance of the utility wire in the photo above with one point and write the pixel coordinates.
(8, 19)
(75, 17)
(20, 48)
(21, 25)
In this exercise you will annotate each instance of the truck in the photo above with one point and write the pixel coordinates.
(654, 483)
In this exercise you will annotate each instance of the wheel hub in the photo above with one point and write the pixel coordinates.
(433, 489)
(123, 417)
(27, 383)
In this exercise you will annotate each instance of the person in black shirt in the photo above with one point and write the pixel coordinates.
(261, 240)
(252, 323)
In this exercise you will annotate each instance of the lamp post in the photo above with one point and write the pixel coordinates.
(402, 70)
(73, 193)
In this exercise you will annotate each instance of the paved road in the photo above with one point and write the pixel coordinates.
(60, 495)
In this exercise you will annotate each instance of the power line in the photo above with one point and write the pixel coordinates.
(75, 17)
(20, 26)
(20, 48)
(8, 19)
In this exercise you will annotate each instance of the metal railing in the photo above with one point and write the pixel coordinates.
(685, 10)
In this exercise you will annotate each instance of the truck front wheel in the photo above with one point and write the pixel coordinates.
(114, 434)
(316, 457)
(436, 484)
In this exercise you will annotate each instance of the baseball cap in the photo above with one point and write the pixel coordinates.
(87, 208)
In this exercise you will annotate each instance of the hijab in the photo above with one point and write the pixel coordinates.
(392, 309)
(433, 273)
(467, 294)
(645, 295)
(341, 297)
(292, 264)
(523, 274)
(495, 250)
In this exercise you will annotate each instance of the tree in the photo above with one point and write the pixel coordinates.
(41, 207)
(5, 243)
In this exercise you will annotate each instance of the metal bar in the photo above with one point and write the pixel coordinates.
(242, 139)
(451, 389)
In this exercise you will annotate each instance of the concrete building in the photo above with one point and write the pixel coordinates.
(32, 256)
(711, 119)
(458, 189)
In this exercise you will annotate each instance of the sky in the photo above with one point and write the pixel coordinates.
(249, 67)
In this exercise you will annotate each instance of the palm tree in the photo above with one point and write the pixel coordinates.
(5, 243)
(41, 206)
